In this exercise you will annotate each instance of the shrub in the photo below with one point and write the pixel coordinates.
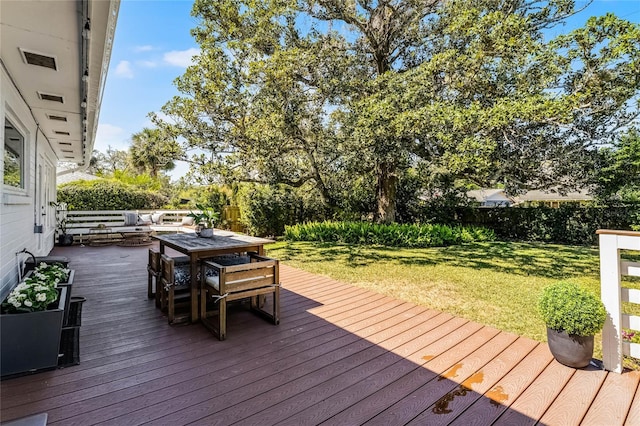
(266, 210)
(393, 235)
(564, 225)
(108, 195)
(567, 307)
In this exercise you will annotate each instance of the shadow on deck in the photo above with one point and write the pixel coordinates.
(341, 355)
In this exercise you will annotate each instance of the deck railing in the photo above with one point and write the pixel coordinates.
(612, 268)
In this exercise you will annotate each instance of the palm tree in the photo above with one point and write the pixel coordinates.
(153, 151)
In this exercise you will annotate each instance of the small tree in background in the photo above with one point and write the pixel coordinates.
(153, 151)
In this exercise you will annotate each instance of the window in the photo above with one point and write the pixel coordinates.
(13, 156)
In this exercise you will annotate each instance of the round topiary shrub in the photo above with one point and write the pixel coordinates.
(564, 306)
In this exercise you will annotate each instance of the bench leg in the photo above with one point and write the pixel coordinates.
(222, 319)
(150, 293)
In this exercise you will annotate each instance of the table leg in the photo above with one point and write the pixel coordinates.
(194, 289)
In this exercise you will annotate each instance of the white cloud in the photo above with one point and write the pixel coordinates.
(181, 58)
(112, 136)
(145, 48)
(123, 69)
(147, 64)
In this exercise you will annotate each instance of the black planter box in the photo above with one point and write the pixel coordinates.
(30, 341)
(29, 265)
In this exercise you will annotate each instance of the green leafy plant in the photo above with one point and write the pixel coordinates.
(393, 235)
(565, 306)
(61, 217)
(108, 195)
(55, 272)
(206, 217)
(37, 291)
(567, 224)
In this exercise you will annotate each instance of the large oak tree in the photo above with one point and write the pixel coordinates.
(325, 93)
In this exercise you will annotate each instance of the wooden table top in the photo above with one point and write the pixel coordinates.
(221, 240)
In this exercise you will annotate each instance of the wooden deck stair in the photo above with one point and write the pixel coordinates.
(341, 356)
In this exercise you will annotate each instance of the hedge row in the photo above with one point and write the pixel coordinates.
(392, 235)
(108, 195)
(566, 225)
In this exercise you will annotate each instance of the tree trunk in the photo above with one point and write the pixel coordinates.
(386, 192)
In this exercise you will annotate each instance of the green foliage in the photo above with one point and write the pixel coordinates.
(37, 291)
(266, 210)
(108, 195)
(206, 216)
(105, 164)
(141, 180)
(12, 172)
(565, 306)
(571, 225)
(154, 151)
(391, 235)
(619, 170)
(363, 91)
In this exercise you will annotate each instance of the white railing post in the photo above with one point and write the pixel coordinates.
(611, 297)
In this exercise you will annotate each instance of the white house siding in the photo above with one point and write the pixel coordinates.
(21, 209)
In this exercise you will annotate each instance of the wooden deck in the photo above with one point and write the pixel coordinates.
(341, 356)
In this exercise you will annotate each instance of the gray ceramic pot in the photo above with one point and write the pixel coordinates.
(569, 349)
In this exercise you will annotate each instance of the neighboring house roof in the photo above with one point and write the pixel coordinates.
(74, 176)
(57, 55)
(493, 196)
(485, 195)
(582, 195)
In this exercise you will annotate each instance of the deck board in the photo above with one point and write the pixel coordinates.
(578, 394)
(341, 355)
(471, 387)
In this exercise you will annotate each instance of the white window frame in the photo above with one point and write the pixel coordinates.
(25, 163)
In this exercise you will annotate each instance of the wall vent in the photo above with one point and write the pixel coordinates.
(67, 150)
(40, 60)
(50, 97)
(58, 132)
(64, 143)
(57, 118)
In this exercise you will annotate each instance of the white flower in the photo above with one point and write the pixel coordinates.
(41, 297)
(21, 286)
(16, 303)
(28, 303)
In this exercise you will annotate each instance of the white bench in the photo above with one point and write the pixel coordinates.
(109, 225)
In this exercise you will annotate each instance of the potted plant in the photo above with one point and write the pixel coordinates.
(31, 321)
(573, 316)
(206, 219)
(64, 239)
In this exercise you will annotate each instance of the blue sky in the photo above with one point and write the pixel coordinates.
(153, 46)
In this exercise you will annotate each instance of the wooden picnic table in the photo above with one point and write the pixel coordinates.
(197, 248)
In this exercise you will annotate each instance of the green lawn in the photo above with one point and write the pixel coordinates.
(496, 284)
